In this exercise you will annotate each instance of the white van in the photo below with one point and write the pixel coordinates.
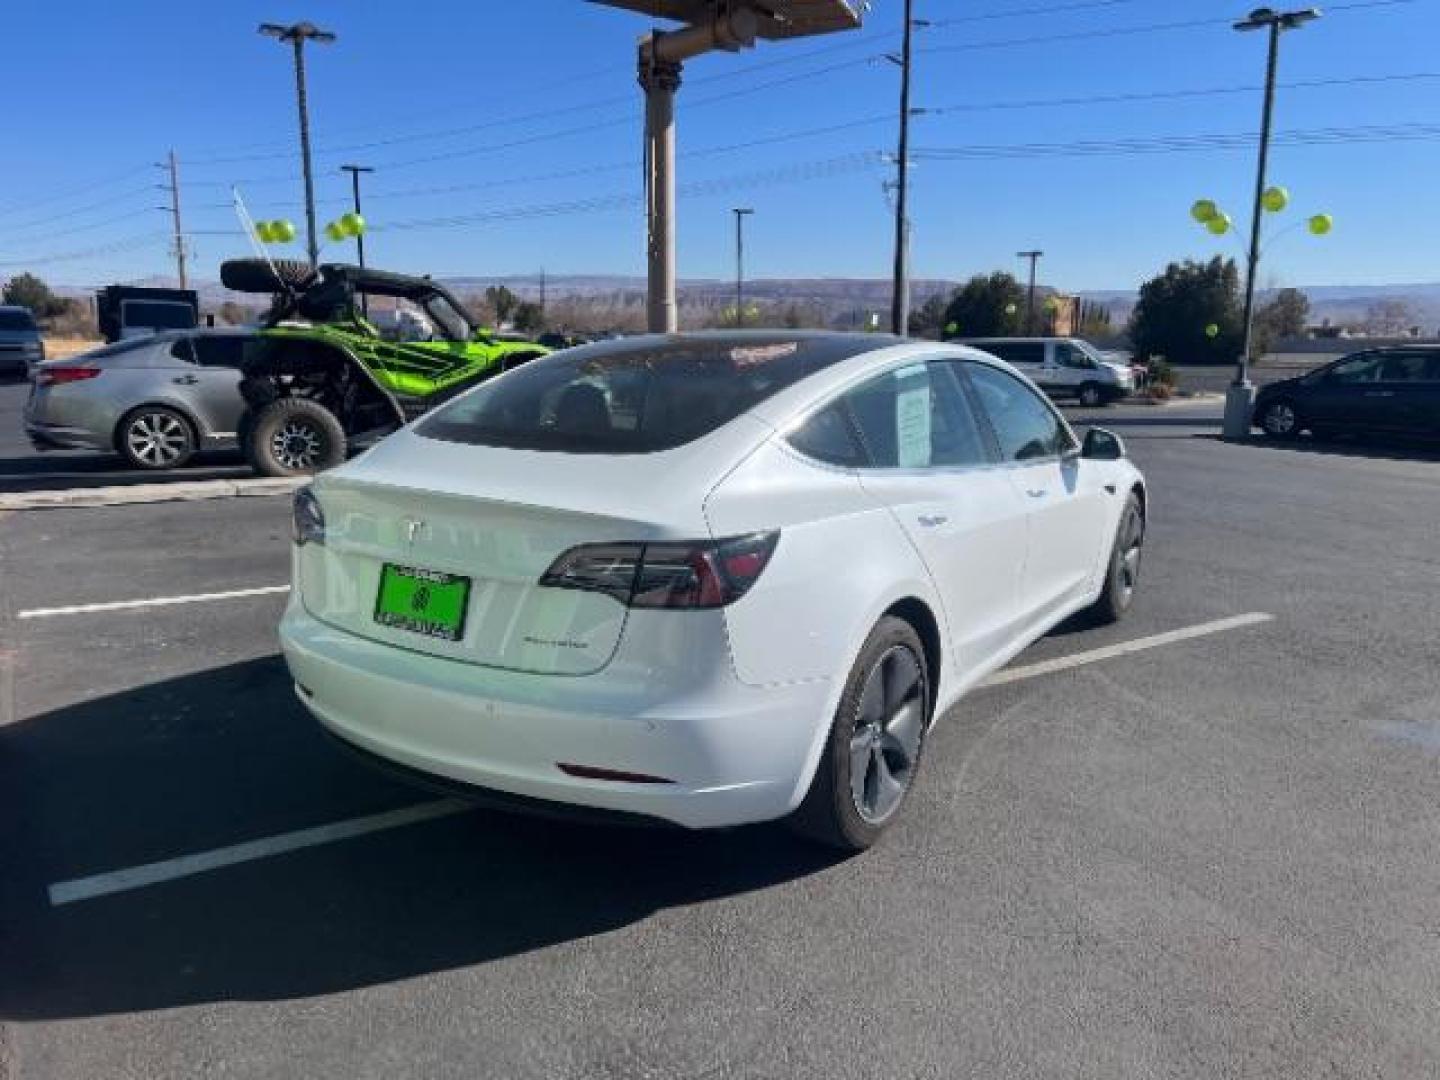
(1062, 367)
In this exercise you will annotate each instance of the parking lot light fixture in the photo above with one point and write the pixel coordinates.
(1240, 397)
(297, 34)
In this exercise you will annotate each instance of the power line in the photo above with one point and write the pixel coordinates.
(63, 215)
(128, 244)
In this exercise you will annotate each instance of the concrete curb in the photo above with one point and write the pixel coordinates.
(149, 493)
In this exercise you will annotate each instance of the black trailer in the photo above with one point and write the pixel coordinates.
(132, 311)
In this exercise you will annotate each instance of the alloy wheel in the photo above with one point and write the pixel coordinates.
(157, 439)
(889, 726)
(1131, 545)
(298, 445)
(1280, 419)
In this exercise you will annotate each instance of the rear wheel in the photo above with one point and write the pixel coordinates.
(294, 437)
(154, 437)
(1092, 395)
(1280, 420)
(870, 760)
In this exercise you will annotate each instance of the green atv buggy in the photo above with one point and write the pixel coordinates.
(323, 378)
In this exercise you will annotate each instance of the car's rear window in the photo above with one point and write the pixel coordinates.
(16, 319)
(635, 397)
(160, 314)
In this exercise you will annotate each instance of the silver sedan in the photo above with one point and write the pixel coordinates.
(155, 401)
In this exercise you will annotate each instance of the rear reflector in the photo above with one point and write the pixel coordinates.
(591, 772)
(695, 574)
(59, 375)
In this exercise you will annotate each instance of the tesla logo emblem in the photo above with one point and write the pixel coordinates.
(413, 528)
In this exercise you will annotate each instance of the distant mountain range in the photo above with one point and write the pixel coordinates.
(849, 298)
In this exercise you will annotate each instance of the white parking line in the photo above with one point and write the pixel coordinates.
(137, 877)
(1124, 648)
(154, 601)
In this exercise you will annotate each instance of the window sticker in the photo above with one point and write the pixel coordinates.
(912, 422)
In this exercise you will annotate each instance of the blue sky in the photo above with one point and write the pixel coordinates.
(525, 109)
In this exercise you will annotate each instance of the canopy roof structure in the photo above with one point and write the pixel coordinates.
(776, 19)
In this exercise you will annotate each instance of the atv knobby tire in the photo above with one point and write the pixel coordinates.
(257, 276)
(293, 436)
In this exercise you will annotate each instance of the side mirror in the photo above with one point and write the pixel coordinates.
(1102, 445)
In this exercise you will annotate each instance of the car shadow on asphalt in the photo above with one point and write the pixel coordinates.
(1352, 447)
(225, 756)
(81, 469)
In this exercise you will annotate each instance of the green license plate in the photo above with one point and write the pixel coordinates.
(422, 601)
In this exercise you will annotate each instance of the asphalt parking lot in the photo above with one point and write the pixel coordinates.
(1200, 843)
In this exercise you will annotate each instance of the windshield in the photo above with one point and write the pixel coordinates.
(449, 321)
(635, 397)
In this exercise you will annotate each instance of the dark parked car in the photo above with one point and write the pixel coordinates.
(21, 346)
(1393, 390)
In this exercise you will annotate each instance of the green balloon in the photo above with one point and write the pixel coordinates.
(334, 232)
(1219, 224)
(1203, 210)
(282, 232)
(1321, 224)
(352, 224)
(262, 232)
(1212, 331)
(1275, 199)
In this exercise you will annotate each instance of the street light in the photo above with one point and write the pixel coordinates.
(741, 213)
(1240, 396)
(297, 34)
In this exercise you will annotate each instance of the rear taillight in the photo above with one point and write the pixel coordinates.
(58, 376)
(688, 575)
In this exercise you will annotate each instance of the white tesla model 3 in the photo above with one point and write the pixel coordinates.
(708, 579)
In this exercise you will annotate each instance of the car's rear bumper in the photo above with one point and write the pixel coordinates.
(55, 437)
(731, 753)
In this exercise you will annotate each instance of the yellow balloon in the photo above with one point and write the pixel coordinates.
(1203, 210)
(1321, 224)
(1219, 224)
(1212, 331)
(334, 232)
(1275, 199)
(282, 232)
(352, 224)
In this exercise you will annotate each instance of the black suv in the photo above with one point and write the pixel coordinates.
(21, 346)
(1392, 390)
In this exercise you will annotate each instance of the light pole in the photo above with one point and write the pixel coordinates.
(1034, 257)
(355, 171)
(741, 213)
(1240, 395)
(900, 290)
(297, 34)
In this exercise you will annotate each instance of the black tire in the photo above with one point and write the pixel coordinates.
(832, 813)
(1092, 395)
(1279, 419)
(294, 436)
(1122, 573)
(155, 438)
(256, 275)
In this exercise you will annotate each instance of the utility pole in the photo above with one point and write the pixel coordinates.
(175, 217)
(1240, 395)
(355, 171)
(297, 35)
(741, 213)
(900, 290)
(1034, 257)
(542, 290)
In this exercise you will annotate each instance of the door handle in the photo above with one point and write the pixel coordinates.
(186, 380)
(930, 521)
(1036, 493)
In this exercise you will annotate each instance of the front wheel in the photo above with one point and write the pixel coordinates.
(1122, 574)
(870, 760)
(1092, 395)
(293, 436)
(1279, 420)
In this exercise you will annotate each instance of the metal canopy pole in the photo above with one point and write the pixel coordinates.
(660, 79)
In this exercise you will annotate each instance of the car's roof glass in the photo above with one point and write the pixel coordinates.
(637, 396)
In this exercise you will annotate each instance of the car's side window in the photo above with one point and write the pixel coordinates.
(915, 417)
(1026, 426)
(1069, 356)
(1364, 368)
(829, 437)
(224, 352)
(1405, 367)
